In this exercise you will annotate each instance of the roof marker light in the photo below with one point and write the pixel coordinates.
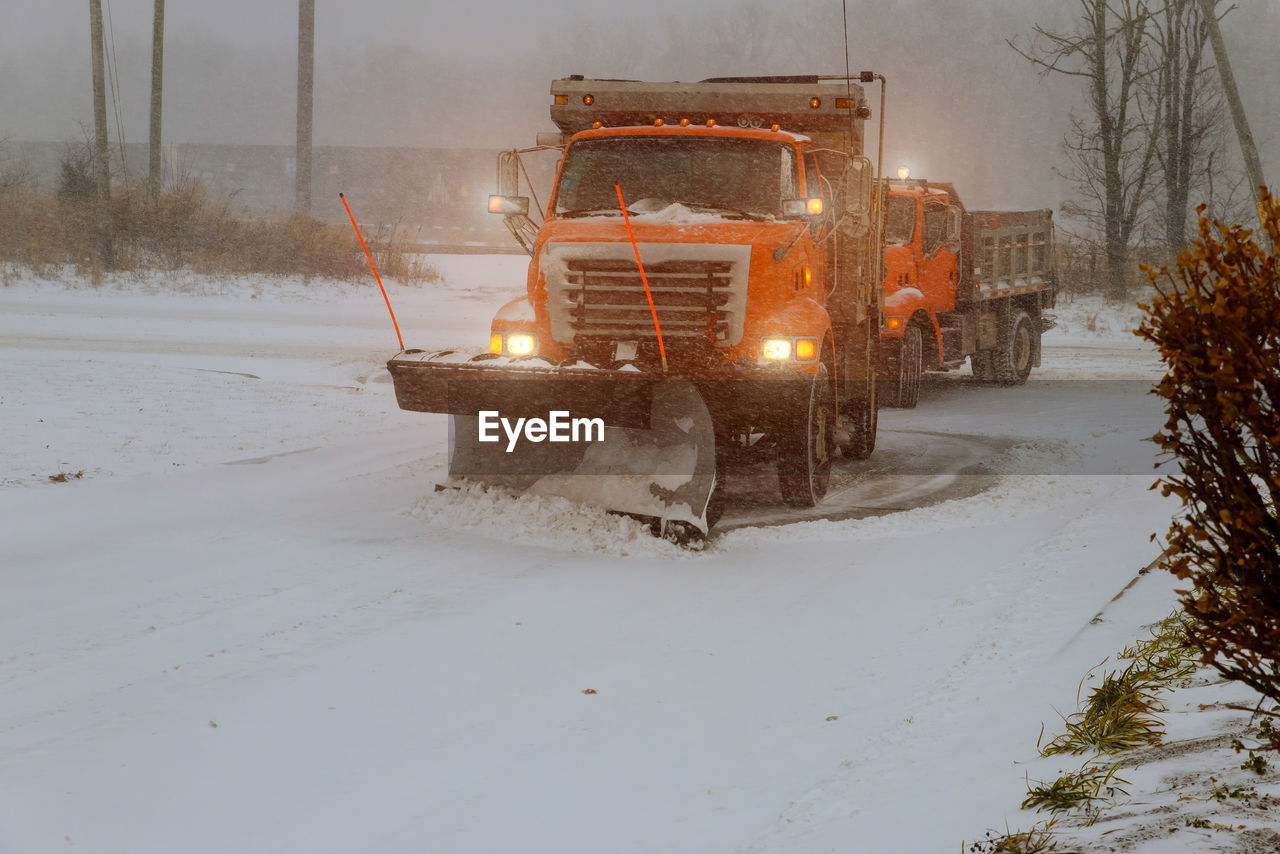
(711, 123)
(597, 125)
(684, 123)
(658, 123)
(775, 127)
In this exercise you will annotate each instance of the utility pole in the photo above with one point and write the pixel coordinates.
(102, 167)
(157, 73)
(306, 75)
(1252, 165)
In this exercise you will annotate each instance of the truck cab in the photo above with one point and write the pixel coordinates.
(706, 238)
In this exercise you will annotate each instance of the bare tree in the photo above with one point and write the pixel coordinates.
(1192, 110)
(1110, 150)
(1252, 165)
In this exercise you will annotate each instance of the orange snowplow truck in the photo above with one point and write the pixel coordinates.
(961, 284)
(704, 277)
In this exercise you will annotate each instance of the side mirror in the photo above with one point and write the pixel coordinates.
(855, 197)
(509, 205)
(955, 223)
(856, 184)
(508, 175)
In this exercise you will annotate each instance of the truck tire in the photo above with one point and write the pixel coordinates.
(807, 445)
(859, 408)
(1015, 350)
(983, 369)
(716, 505)
(902, 390)
(860, 420)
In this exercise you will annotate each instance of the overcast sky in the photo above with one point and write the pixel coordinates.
(454, 28)
(475, 73)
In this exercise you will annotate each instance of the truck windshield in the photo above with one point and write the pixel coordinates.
(744, 177)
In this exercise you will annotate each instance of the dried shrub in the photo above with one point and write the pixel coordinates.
(184, 227)
(396, 260)
(1216, 322)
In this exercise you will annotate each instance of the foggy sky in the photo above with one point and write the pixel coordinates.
(475, 73)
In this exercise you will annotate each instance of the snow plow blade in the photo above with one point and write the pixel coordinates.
(628, 441)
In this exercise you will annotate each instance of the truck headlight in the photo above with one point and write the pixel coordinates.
(789, 349)
(775, 349)
(521, 344)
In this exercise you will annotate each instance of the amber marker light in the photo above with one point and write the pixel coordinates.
(815, 102)
(495, 343)
(893, 323)
(658, 123)
(562, 100)
(684, 123)
(597, 125)
(588, 99)
(806, 275)
(711, 123)
(775, 127)
(806, 349)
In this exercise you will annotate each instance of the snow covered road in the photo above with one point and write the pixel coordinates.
(252, 625)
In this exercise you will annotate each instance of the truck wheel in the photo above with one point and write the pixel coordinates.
(902, 390)
(717, 504)
(861, 422)
(1015, 350)
(806, 446)
(983, 369)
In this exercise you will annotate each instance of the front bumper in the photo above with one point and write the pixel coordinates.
(456, 383)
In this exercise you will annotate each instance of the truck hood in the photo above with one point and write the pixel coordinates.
(673, 224)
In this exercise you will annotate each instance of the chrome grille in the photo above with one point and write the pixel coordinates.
(594, 291)
(606, 298)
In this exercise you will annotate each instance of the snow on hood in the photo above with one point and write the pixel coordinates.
(677, 214)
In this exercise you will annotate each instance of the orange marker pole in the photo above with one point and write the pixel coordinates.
(373, 267)
(662, 350)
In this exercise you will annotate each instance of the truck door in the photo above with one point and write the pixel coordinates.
(937, 261)
(899, 243)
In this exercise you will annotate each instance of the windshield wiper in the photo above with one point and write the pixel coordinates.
(738, 212)
(590, 212)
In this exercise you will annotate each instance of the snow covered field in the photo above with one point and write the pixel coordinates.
(244, 620)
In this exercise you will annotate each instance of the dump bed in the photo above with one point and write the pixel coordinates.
(1006, 253)
(831, 112)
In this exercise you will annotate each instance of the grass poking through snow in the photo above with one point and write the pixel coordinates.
(1123, 712)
